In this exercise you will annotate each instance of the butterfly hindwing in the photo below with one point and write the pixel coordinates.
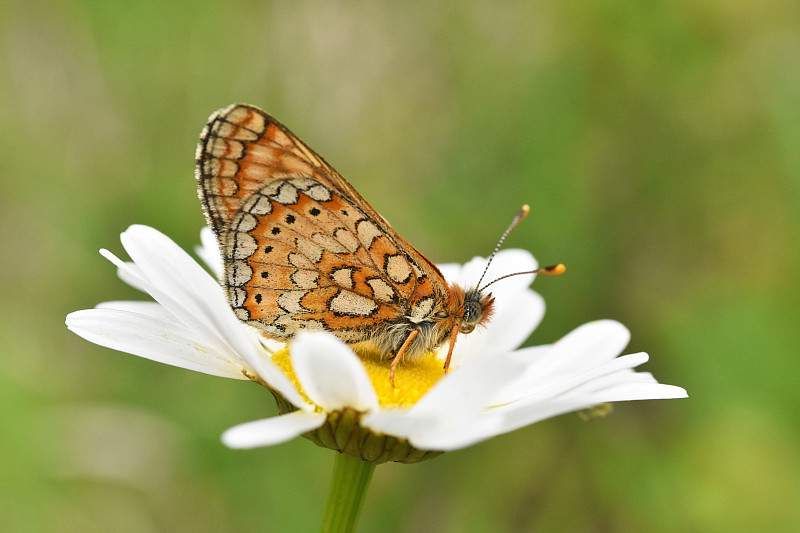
(298, 263)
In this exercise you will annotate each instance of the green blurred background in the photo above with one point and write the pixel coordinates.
(657, 143)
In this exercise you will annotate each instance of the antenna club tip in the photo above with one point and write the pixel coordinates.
(554, 270)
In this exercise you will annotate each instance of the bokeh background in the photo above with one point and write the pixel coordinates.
(657, 143)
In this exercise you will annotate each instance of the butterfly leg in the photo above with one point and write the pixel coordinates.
(453, 335)
(401, 351)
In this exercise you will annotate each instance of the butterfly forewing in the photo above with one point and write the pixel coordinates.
(301, 248)
(241, 150)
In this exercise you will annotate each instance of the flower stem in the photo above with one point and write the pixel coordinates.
(351, 477)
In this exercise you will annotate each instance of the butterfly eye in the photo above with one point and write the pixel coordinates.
(472, 315)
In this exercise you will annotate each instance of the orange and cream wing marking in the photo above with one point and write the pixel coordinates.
(302, 249)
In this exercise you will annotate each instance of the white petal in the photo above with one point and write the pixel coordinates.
(194, 299)
(591, 344)
(152, 338)
(167, 295)
(517, 309)
(143, 308)
(401, 422)
(515, 419)
(256, 362)
(209, 252)
(180, 283)
(127, 272)
(527, 381)
(505, 262)
(643, 391)
(331, 374)
(450, 271)
(516, 319)
(581, 382)
(270, 345)
(273, 430)
(512, 324)
(466, 391)
(582, 349)
(624, 385)
(609, 382)
(477, 430)
(510, 262)
(452, 415)
(275, 377)
(607, 375)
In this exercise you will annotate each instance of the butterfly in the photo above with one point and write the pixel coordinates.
(302, 250)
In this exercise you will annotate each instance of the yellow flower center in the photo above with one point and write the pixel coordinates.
(411, 380)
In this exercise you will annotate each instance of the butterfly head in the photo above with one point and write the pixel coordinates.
(476, 310)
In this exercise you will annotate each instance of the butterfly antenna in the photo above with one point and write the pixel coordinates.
(521, 214)
(553, 270)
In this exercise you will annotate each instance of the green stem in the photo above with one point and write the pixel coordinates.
(351, 477)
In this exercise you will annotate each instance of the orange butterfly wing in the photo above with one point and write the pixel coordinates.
(302, 249)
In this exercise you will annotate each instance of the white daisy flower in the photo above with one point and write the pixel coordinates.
(344, 400)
